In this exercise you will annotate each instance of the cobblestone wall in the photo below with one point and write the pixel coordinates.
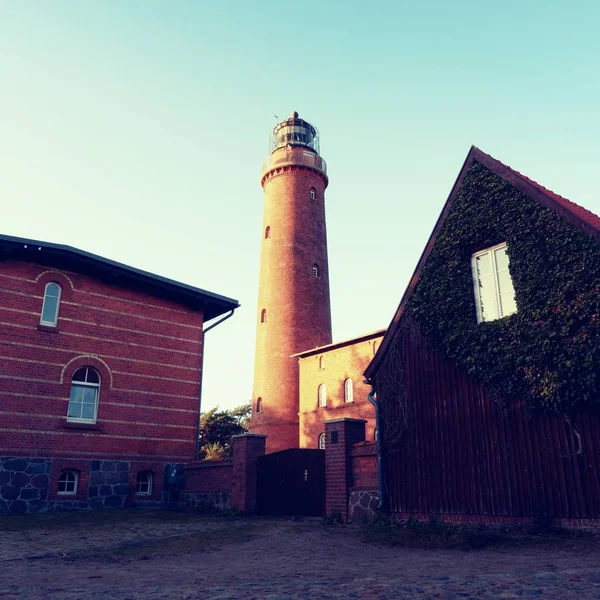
(208, 500)
(109, 484)
(24, 484)
(362, 506)
(25, 487)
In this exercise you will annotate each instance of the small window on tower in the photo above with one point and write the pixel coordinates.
(375, 346)
(321, 363)
(268, 232)
(263, 315)
(313, 194)
(315, 270)
(259, 405)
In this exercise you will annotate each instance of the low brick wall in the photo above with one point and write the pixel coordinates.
(209, 484)
(363, 496)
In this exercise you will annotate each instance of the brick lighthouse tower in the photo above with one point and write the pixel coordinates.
(294, 312)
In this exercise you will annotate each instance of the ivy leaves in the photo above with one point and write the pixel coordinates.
(549, 351)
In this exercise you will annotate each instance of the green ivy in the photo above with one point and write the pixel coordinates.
(549, 351)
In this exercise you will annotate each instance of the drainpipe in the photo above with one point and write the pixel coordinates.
(204, 332)
(382, 506)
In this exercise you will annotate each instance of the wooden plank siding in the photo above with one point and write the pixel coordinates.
(461, 454)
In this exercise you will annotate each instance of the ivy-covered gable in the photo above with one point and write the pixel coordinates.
(548, 352)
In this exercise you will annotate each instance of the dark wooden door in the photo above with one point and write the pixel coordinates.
(291, 482)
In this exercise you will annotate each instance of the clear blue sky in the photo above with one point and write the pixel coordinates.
(137, 130)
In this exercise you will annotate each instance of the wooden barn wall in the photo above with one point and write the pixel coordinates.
(460, 454)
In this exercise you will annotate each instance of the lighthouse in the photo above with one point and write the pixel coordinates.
(294, 312)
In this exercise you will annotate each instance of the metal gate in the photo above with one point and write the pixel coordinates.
(291, 482)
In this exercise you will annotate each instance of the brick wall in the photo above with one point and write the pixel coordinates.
(209, 476)
(364, 466)
(147, 351)
(332, 366)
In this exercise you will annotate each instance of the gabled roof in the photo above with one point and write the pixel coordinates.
(58, 255)
(336, 345)
(574, 214)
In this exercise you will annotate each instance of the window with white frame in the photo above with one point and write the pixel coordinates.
(375, 346)
(315, 270)
(322, 395)
(321, 363)
(494, 291)
(322, 442)
(313, 194)
(67, 482)
(349, 390)
(83, 401)
(143, 486)
(50, 305)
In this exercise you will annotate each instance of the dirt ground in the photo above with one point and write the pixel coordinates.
(160, 555)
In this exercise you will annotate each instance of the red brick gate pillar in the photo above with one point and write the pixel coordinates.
(247, 447)
(340, 435)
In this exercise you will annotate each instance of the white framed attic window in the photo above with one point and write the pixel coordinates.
(494, 291)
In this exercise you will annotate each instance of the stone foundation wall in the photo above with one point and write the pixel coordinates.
(362, 505)
(208, 500)
(28, 485)
(24, 484)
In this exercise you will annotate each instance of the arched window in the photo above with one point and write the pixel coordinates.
(322, 442)
(267, 232)
(50, 305)
(263, 315)
(349, 390)
(375, 434)
(322, 395)
(315, 270)
(67, 482)
(259, 405)
(143, 486)
(313, 194)
(375, 346)
(83, 401)
(321, 363)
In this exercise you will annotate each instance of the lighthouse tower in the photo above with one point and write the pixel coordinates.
(294, 312)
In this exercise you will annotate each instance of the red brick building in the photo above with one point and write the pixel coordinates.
(332, 387)
(100, 376)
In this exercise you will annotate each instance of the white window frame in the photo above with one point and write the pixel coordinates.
(46, 295)
(66, 473)
(315, 271)
(322, 396)
(313, 193)
(349, 390)
(139, 484)
(321, 441)
(491, 251)
(88, 385)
